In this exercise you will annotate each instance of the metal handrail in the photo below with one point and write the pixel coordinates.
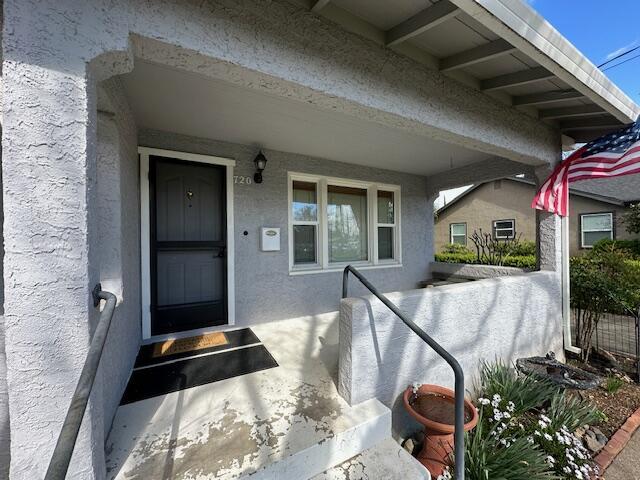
(61, 457)
(453, 363)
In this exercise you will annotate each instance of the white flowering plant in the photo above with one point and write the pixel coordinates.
(565, 453)
(525, 430)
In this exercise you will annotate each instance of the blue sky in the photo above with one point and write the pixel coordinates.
(599, 28)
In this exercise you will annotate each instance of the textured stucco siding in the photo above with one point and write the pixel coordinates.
(54, 54)
(507, 318)
(5, 438)
(506, 199)
(264, 289)
(119, 240)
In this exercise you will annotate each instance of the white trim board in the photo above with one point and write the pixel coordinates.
(145, 234)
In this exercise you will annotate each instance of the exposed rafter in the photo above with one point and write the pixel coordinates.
(421, 22)
(319, 5)
(590, 124)
(522, 77)
(475, 55)
(546, 97)
(566, 112)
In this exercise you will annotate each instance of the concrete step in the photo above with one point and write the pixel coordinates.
(362, 428)
(386, 460)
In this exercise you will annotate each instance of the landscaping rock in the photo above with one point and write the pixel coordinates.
(594, 439)
(409, 445)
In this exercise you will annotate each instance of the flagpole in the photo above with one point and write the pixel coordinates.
(566, 293)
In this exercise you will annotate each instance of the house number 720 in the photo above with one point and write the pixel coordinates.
(242, 179)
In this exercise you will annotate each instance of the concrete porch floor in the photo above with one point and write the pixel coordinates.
(285, 422)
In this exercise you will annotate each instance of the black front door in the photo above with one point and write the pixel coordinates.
(188, 245)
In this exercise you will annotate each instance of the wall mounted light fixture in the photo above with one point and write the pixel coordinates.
(261, 162)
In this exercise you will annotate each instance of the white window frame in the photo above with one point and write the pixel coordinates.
(504, 237)
(583, 231)
(451, 232)
(322, 230)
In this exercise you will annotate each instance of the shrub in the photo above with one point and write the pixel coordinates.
(630, 248)
(631, 219)
(456, 257)
(523, 248)
(455, 248)
(605, 280)
(524, 261)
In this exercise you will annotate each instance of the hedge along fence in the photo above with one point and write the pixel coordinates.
(521, 261)
(518, 254)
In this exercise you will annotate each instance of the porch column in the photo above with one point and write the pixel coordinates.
(548, 231)
(49, 170)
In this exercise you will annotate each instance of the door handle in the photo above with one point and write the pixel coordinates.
(222, 253)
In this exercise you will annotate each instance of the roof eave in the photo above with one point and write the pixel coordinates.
(525, 29)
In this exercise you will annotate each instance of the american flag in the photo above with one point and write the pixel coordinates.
(611, 155)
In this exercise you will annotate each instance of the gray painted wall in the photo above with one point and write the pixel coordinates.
(264, 289)
(56, 51)
(506, 317)
(118, 239)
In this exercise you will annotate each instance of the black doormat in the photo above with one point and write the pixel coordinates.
(191, 372)
(235, 338)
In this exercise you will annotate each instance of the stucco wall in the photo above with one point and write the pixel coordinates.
(119, 239)
(264, 289)
(505, 199)
(54, 52)
(506, 317)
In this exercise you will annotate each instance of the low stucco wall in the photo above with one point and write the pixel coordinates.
(472, 271)
(506, 318)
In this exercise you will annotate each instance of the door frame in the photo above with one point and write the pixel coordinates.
(145, 237)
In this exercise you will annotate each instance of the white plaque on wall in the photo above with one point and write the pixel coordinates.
(270, 239)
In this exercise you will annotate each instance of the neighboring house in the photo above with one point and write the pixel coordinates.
(503, 208)
(131, 134)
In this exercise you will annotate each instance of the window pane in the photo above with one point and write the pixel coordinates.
(305, 203)
(596, 222)
(347, 223)
(459, 239)
(590, 238)
(385, 243)
(304, 244)
(458, 229)
(504, 224)
(385, 207)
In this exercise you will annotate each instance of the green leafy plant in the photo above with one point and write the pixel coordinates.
(455, 248)
(570, 412)
(525, 391)
(526, 261)
(613, 384)
(630, 248)
(603, 281)
(631, 219)
(488, 458)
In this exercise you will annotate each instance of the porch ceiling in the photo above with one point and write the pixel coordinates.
(501, 47)
(171, 100)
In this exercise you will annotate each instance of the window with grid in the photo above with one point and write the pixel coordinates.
(504, 229)
(595, 227)
(458, 233)
(335, 222)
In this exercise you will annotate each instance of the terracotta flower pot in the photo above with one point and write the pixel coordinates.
(438, 443)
